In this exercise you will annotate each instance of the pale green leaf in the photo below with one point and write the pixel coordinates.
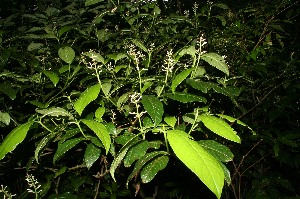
(153, 167)
(216, 61)
(179, 78)
(67, 54)
(4, 118)
(34, 46)
(171, 121)
(64, 147)
(219, 151)
(91, 155)
(52, 76)
(198, 160)
(15, 137)
(220, 127)
(101, 131)
(185, 97)
(54, 112)
(99, 113)
(106, 88)
(136, 152)
(154, 108)
(89, 95)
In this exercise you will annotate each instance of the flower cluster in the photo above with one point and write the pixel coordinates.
(6, 193)
(201, 42)
(169, 62)
(92, 64)
(136, 55)
(34, 186)
(195, 7)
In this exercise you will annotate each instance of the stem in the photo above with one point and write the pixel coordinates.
(78, 125)
(166, 140)
(165, 83)
(194, 123)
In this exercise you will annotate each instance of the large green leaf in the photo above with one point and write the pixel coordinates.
(141, 163)
(64, 147)
(101, 131)
(220, 127)
(198, 160)
(67, 54)
(52, 76)
(15, 137)
(153, 167)
(89, 95)
(217, 61)
(136, 152)
(91, 155)
(154, 108)
(185, 97)
(219, 151)
(179, 78)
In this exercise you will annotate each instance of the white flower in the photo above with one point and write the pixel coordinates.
(135, 97)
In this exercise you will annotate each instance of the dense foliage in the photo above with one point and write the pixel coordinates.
(166, 99)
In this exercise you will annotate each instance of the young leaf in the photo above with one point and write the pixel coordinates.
(89, 95)
(64, 147)
(67, 54)
(52, 76)
(216, 61)
(136, 152)
(154, 108)
(219, 151)
(153, 167)
(198, 160)
(220, 127)
(101, 131)
(91, 155)
(141, 162)
(185, 97)
(179, 78)
(171, 121)
(15, 137)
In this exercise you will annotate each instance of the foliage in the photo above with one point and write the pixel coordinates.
(106, 97)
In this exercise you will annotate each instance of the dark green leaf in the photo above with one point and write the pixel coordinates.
(179, 78)
(154, 108)
(67, 54)
(136, 152)
(91, 155)
(64, 147)
(153, 167)
(216, 61)
(52, 76)
(185, 97)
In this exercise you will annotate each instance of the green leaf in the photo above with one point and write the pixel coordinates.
(4, 118)
(62, 30)
(106, 88)
(92, 2)
(61, 171)
(91, 155)
(232, 120)
(216, 61)
(171, 121)
(42, 144)
(121, 154)
(102, 35)
(226, 173)
(139, 44)
(95, 57)
(99, 113)
(8, 90)
(219, 151)
(89, 95)
(64, 147)
(67, 54)
(179, 78)
(154, 108)
(101, 131)
(34, 46)
(136, 152)
(198, 160)
(52, 76)
(153, 167)
(189, 50)
(15, 137)
(220, 127)
(141, 162)
(185, 97)
(116, 56)
(55, 112)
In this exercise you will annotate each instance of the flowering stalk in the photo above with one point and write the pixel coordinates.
(169, 62)
(201, 43)
(34, 186)
(6, 193)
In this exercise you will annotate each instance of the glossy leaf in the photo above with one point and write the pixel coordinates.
(15, 137)
(101, 132)
(91, 155)
(220, 127)
(198, 160)
(141, 162)
(219, 151)
(216, 61)
(153, 167)
(171, 121)
(42, 144)
(185, 97)
(226, 173)
(99, 113)
(154, 108)
(179, 78)
(89, 95)
(55, 112)
(67, 54)
(64, 147)
(136, 152)
(52, 76)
